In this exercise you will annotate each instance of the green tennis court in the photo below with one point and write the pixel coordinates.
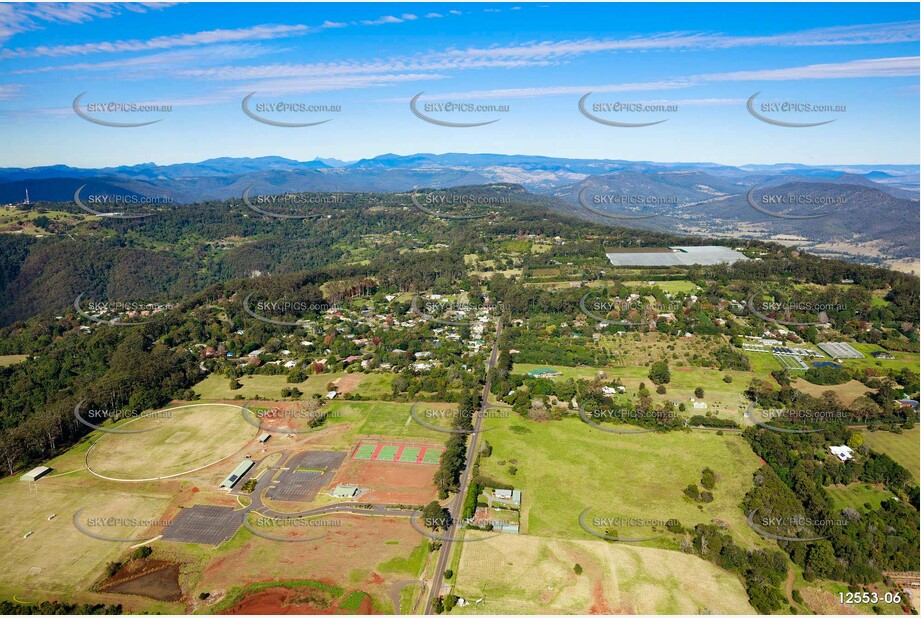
(365, 451)
(432, 456)
(387, 453)
(410, 454)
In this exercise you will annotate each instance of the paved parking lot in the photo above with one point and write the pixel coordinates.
(306, 474)
(204, 524)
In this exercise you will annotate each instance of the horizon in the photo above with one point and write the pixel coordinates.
(713, 84)
(322, 158)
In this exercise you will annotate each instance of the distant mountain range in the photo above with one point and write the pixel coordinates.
(874, 205)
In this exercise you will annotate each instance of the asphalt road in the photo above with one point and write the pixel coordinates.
(456, 505)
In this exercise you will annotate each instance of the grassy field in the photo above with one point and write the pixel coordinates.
(903, 447)
(384, 418)
(566, 466)
(11, 359)
(723, 399)
(216, 387)
(902, 360)
(57, 559)
(682, 286)
(847, 392)
(856, 494)
(194, 435)
(615, 579)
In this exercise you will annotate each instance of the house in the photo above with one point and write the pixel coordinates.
(843, 452)
(544, 372)
(883, 355)
(907, 403)
(508, 496)
(613, 390)
(699, 405)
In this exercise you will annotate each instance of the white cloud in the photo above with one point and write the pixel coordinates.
(207, 37)
(386, 19)
(876, 67)
(25, 17)
(163, 63)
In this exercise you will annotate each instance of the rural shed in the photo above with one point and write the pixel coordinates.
(237, 474)
(265, 437)
(35, 473)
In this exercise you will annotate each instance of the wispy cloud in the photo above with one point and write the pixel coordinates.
(907, 66)
(207, 37)
(25, 17)
(8, 91)
(544, 53)
(161, 63)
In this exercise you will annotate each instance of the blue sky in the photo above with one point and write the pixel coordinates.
(538, 59)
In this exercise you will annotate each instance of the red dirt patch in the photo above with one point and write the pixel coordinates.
(274, 601)
(599, 603)
(390, 482)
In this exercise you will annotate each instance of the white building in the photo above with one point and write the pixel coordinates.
(843, 452)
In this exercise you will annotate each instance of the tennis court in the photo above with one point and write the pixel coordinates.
(364, 451)
(410, 454)
(398, 453)
(432, 456)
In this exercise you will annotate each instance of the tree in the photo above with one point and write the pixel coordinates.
(435, 516)
(708, 479)
(577, 569)
(659, 373)
(855, 441)
(699, 392)
(660, 389)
